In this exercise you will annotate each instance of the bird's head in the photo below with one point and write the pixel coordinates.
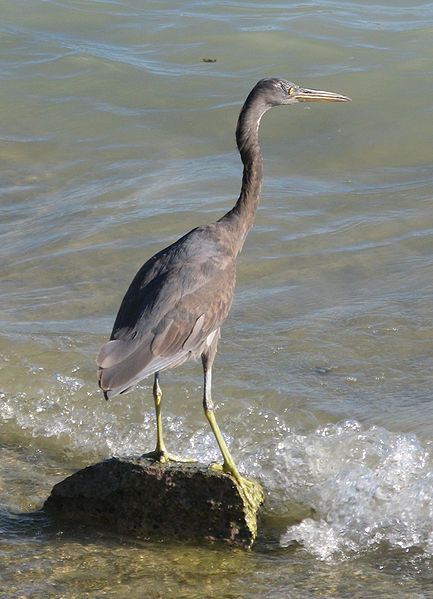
(275, 92)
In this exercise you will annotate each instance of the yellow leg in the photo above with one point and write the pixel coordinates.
(161, 454)
(157, 397)
(228, 464)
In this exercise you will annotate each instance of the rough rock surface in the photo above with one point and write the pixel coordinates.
(159, 501)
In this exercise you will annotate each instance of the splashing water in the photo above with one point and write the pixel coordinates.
(367, 487)
(364, 486)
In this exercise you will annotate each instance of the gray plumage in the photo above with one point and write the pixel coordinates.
(178, 300)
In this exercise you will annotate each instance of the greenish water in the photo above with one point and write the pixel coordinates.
(115, 139)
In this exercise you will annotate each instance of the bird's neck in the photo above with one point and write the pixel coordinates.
(241, 216)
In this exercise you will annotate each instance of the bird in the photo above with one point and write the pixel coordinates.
(175, 305)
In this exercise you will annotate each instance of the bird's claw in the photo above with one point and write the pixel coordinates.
(164, 457)
(248, 489)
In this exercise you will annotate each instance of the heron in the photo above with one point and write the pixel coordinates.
(175, 305)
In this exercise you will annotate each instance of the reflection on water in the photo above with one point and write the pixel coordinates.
(115, 139)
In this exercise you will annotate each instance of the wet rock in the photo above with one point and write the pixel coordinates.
(159, 501)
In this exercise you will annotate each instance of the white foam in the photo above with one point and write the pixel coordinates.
(367, 487)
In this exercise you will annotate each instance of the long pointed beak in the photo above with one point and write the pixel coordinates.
(303, 94)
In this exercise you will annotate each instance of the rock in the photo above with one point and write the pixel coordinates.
(159, 501)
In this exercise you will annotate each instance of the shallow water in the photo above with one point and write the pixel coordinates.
(116, 138)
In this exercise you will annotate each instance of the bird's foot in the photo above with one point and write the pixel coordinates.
(164, 457)
(250, 492)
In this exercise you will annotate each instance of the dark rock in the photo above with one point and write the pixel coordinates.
(159, 501)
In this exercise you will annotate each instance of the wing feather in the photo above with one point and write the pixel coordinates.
(176, 300)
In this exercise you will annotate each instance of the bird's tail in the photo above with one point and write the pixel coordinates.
(120, 367)
(117, 375)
